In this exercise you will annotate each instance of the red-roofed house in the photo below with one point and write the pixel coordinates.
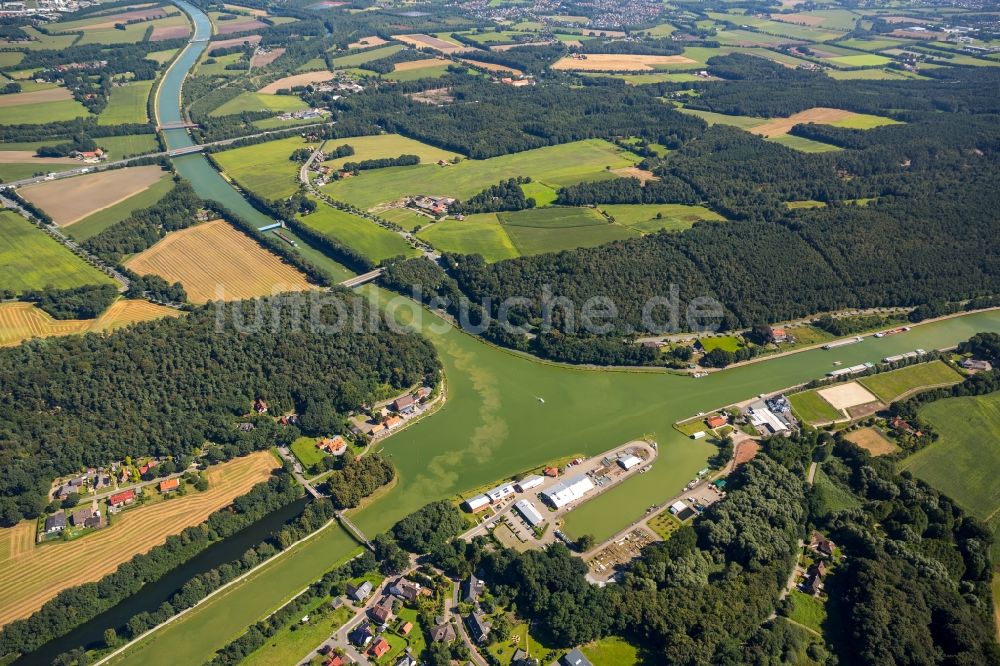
(148, 466)
(334, 445)
(122, 498)
(379, 649)
(406, 628)
(716, 421)
(169, 485)
(779, 335)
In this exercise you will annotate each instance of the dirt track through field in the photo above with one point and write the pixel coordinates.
(296, 80)
(820, 114)
(214, 260)
(619, 62)
(21, 321)
(71, 200)
(35, 97)
(31, 575)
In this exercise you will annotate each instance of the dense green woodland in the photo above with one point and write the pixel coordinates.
(165, 387)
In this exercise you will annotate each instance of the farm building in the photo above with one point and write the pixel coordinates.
(169, 485)
(530, 513)
(716, 421)
(564, 492)
(55, 523)
(501, 491)
(629, 461)
(122, 498)
(778, 335)
(529, 482)
(477, 503)
(698, 435)
(975, 364)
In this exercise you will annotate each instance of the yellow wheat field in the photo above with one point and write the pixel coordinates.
(216, 261)
(22, 321)
(619, 62)
(30, 575)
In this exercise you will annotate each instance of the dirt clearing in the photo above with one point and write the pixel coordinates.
(872, 441)
(619, 62)
(215, 261)
(296, 80)
(169, 32)
(31, 575)
(820, 114)
(237, 41)
(635, 172)
(845, 396)
(367, 42)
(229, 27)
(265, 59)
(71, 200)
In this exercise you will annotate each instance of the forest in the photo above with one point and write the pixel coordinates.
(178, 382)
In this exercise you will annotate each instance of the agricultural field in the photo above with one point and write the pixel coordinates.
(69, 201)
(541, 193)
(649, 218)
(802, 144)
(810, 407)
(418, 69)
(405, 218)
(872, 75)
(127, 104)
(40, 106)
(216, 261)
(437, 42)
(965, 460)
(835, 19)
(385, 145)
(355, 59)
(250, 101)
(541, 230)
(371, 240)
(613, 62)
(830, 496)
(94, 224)
(823, 116)
(22, 321)
(30, 259)
(264, 168)
(296, 80)
(891, 386)
(873, 441)
(860, 60)
(871, 44)
(131, 144)
(555, 166)
(30, 575)
(477, 234)
(336, 271)
(22, 163)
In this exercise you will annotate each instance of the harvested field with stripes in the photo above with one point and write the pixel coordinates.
(441, 45)
(30, 575)
(36, 97)
(367, 42)
(492, 67)
(296, 80)
(71, 200)
(22, 321)
(418, 64)
(619, 62)
(214, 260)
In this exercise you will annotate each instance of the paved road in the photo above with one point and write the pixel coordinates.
(462, 632)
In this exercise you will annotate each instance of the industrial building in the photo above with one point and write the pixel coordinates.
(529, 482)
(570, 490)
(530, 513)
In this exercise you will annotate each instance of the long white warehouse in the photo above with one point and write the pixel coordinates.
(567, 491)
(530, 513)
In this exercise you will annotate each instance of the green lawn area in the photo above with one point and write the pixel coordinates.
(541, 193)
(807, 610)
(385, 145)
(712, 118)
(10, 58)
(613, 651)
(132, 144)
(541, 230)
(724, 342)
(649, 218)
(803, 145)
(30, 259)
(355, 59)
(102, 219)
(836, 19)
(812, 408)
(252, 101)
(964, 462)
(555, 166)
(363, 235)
(808, 203)
(45, 112)
(476, 234)
(504, 651)
(431, 72)
(664, 523)
(305, 450)
(405, 218)
(264, 168)
(872, 74)
(871, 44)
(864, 121)
(295, 641)
(218, 67)
(127, 104)
(860, 60)
(9, 172)
(889, 386)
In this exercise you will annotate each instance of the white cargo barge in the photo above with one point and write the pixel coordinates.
(843, 343)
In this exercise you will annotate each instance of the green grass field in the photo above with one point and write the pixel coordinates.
(555, 166)
(803, 145)
(672, 217)
(363, 235)
(251, 101)
(807, 610)
(102, 219)
(835, 19)
(218, 67)
(541, 230)
(864, 121)
(872, 75)
(355, 59)
(860, 60)
(264, 168)
(306, 451)
(405, 218)
(431, 72)
(385, 145)
(127, 104)
(45, 112)
(808, 203)
(132, 144)
(871, 44)
(964, 462)
(664, 524)
(831, 497)
(10, 172)
(296, 640)
(476, 234)
(30, 259)
(725, 342)
(542, 194)
(890, 386)
(812, 408)
(712, 118)
(613, 651)
(10, 59)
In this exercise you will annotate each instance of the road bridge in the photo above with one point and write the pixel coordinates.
(361, 279)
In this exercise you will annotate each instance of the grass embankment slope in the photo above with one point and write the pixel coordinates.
(891, 386)
(30, 575)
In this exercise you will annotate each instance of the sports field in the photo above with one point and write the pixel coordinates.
(541, 230)
(556, 166)
(30, 259)
(649, 218)
(94, 224)
(371, 240)
(30, 575)
(21, 321)
(476, 234)
(264, 168)
(891, 386)
(812, 408)
(216, 261)
(127, 104)
(69, 201)
(384, 145)
(872, 441)
(251, 101)
(964, 463)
